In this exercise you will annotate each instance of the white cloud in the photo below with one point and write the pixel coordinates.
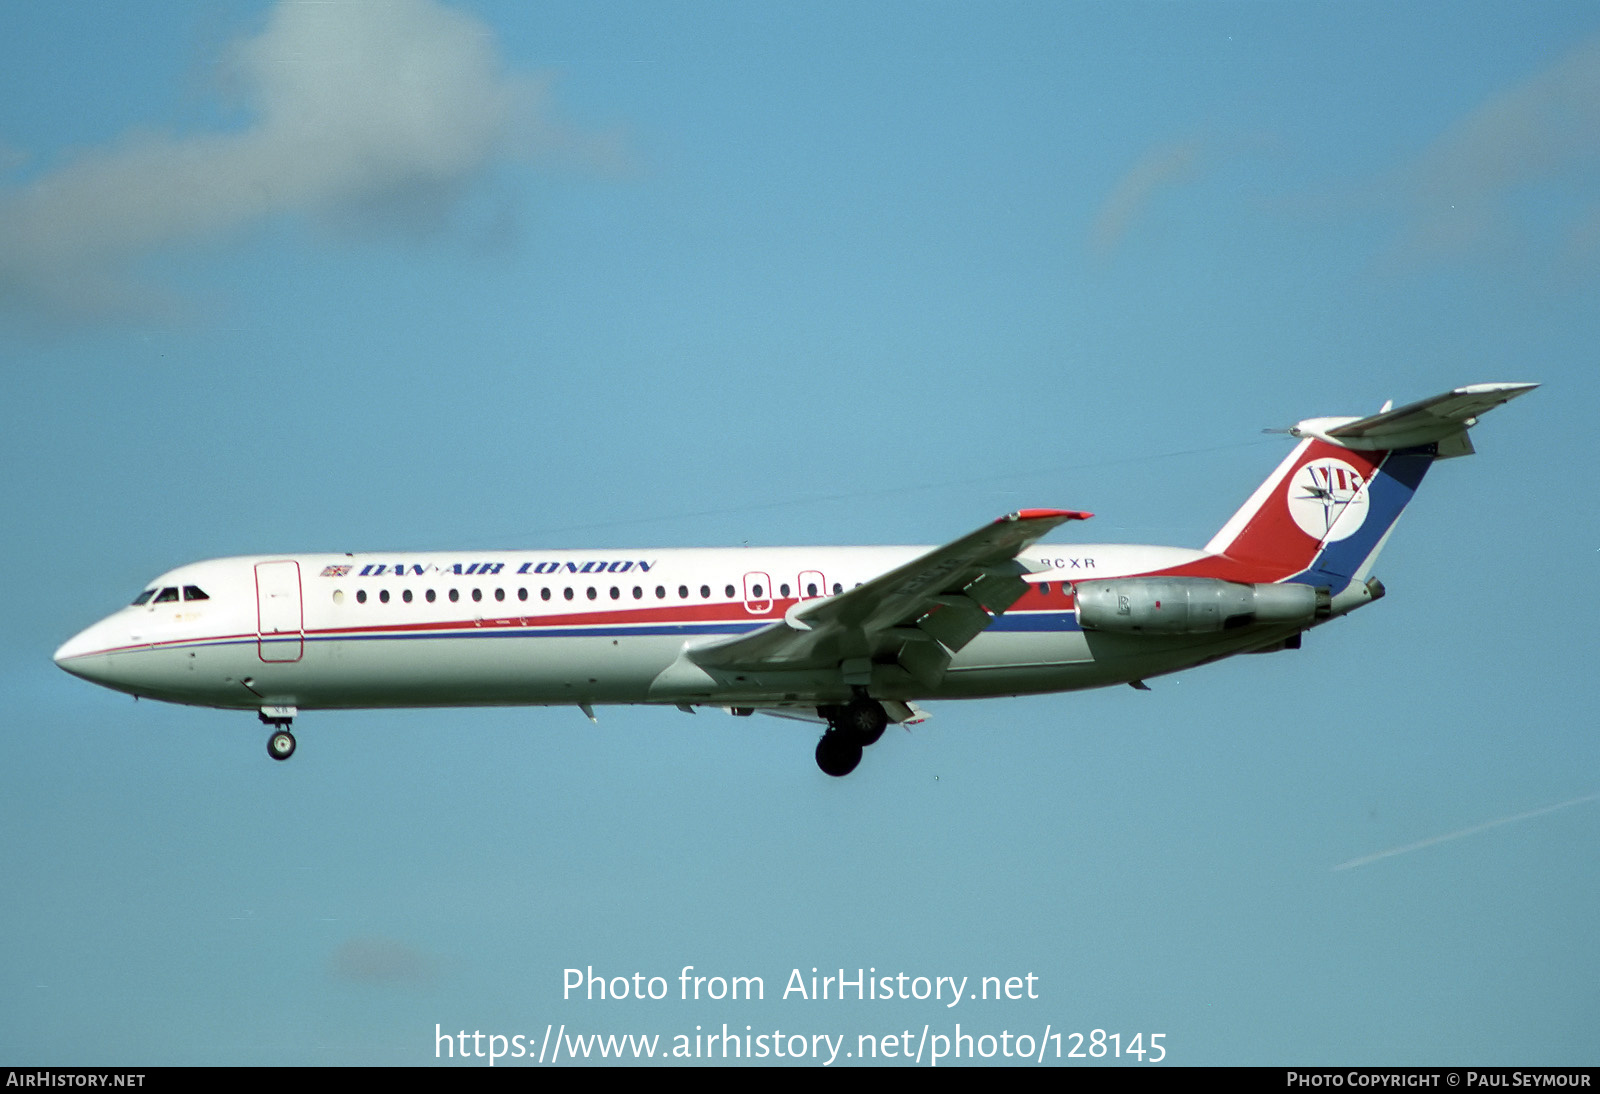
(382, 962)
(355, 106)
(1160, 170)
(1523, 167)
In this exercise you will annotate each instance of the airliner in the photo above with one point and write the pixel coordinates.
(851, 638)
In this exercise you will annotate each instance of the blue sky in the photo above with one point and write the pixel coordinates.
(412, 276)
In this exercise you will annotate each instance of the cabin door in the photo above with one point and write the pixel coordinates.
(280, 617)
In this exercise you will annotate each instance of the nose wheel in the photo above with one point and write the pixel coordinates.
(280, 745)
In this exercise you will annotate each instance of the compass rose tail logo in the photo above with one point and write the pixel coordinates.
(1321, 495)
(1327, 499)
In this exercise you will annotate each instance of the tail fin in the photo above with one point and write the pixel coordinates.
(1325, 513)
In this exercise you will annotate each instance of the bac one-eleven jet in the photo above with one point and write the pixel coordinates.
(855, 636)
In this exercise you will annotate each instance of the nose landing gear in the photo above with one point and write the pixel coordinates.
(280, 744)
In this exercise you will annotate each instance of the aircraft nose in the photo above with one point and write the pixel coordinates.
(84, 655)
(71, 648)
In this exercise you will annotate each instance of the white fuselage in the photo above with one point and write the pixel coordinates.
(538, 627)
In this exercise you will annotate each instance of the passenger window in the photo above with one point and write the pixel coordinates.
(661, 592)
(705, 592)
(191, 592)
(567, 592)
(837, 588)
(361, 596)
(383, 595)
(455, 595)
(406, 596)
(499, 594)
(638, 593)
(683, 592)
(143, 598)
(811, 589)
(783, 590)
(592, 593)
(730, 592)
(166, 596)
(477, 594)
(755, 589)
(429, 595)
(616, 593)
(544, 593)
(522, 594)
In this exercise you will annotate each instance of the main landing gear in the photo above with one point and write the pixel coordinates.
(851, 728)
(280, 745)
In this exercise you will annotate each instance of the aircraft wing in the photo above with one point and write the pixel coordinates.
(927, 609)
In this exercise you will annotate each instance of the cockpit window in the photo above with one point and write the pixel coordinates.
(143, 597)
(192, 592)
(166, 595)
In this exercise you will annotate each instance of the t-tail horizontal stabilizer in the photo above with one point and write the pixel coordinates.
(1442, 420)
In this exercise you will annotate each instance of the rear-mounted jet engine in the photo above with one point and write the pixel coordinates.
(1194, 605)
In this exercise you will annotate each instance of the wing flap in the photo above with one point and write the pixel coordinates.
(995, 591)
(956, 621)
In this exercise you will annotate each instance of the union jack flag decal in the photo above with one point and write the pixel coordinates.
(335, 571)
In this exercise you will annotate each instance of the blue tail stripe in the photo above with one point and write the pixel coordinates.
(1387, 496)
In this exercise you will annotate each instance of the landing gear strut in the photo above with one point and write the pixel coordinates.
(280, 744)
(851, 728)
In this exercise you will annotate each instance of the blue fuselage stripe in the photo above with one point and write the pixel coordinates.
(1029, 622)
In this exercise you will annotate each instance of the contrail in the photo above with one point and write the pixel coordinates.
(1353, 863)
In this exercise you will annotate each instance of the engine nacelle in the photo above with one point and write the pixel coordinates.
(1193, 605)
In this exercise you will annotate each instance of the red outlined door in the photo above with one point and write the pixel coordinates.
(757, 593)
(280, 616)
